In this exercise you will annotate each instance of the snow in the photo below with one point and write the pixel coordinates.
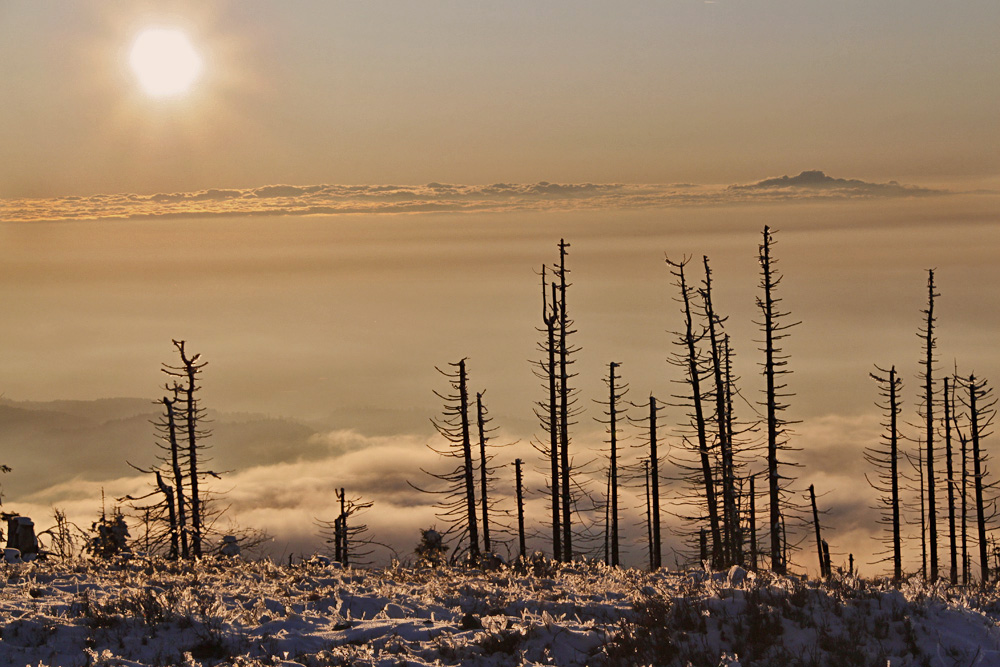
(153, 612)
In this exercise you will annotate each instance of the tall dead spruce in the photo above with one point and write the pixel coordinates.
(981, 406)
(927, 376)
(180, 472)
(689, 357)
(948, 402)
(567, 400)
(614, 416)
(648, 426)
(489, 503)
(457, 504)
(774, 368)
(557, 412)
(885, 460)
(732, 539)
(351, 542)
(547, 411)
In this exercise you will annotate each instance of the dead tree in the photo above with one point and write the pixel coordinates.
(696, 368)
(885, 460)
(518, 481)
(926, 333)
(732, 548)
(964, 494)
(649, 518)
(166, 520)
(350, 539)
(566, 400)
(168, 429)
(457, 504)
(614, 414)
(981, 406)
(192, 416)
(484, 471)
(654, 459)
(774, 368)
(824, 553)
(753, 525)
(168, 495)
(917, 466)
(948, 400)
(547, 411)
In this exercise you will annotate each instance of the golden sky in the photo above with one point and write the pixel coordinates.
(353, 193)
(474, 93)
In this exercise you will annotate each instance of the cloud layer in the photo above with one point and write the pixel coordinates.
(285, 200)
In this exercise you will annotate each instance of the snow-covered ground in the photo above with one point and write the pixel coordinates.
(258, 613)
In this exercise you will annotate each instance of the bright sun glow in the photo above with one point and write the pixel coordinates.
(164, 61)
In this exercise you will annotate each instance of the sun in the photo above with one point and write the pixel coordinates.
(164, 61)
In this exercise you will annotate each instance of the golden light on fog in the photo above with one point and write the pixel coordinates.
(164, 61)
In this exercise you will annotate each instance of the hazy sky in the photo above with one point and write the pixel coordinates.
(353, 193)
(470, 92)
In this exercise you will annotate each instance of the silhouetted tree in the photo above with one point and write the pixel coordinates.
(948, 400)
(457, 506)
(489, 505)
(566, 400)
(917, 466)
(926, 333)
(981, 406)
(351, 540)
(964, 441)
(547, 411)
(697, 368)
(614, 414)
(753, 525)
(732, 547)
(185, 377)
(649, 425)
(165, 520)
(885, 460)
(821, 546)
(774, 368)
(183, 517)
(519, 486)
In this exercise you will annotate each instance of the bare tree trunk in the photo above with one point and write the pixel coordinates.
(953, 551)
(819, 539)
(171, 515)
(657, 561)
(551, 320)
(966, 573)
(567, 517)
(470, 485)
(191, 368)
(753, 525)
(771, 363)
(730, 521)
(897, 548)
(344, 544)
(178, 476)
(483, 481)
(613, 409)
(694, 381)
(929, 345)
(607, 522)
(520, 508)
(649, 516)
(977, 477)
(923, 514)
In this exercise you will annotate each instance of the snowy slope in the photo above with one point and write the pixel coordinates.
(159, 613)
